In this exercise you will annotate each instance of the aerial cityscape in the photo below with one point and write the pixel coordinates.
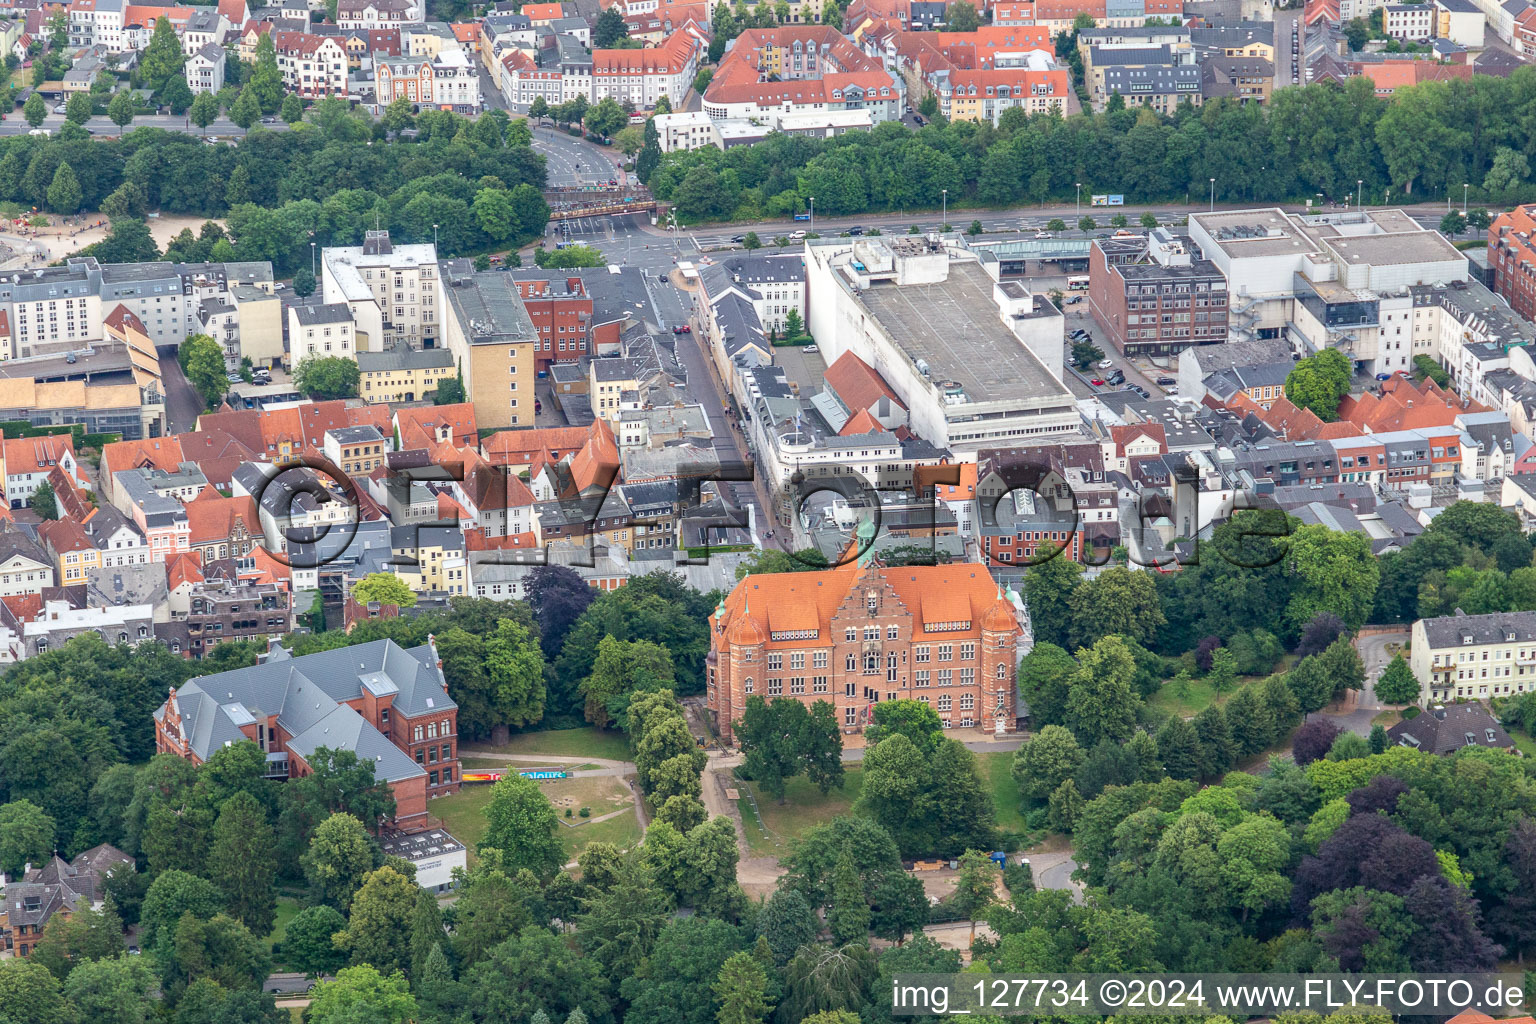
(772, 512)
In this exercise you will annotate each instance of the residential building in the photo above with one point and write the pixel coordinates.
(862, 633)
(975, 76)
(393, 291)
(1445, 729)
(447, 80)
(205, 68)
(685, 130)
(56, 887)
(224, 610)
(25, 567)
(357, 450)
(1513, 257)
(320, 332)
(492, 338)
(794, 68)
(59, 623)
(313, 65)
(1462, 657)
(643, 76)
(403, 374)
(1410, 23)
(1158, 77)
(388, 705)
(372, 14)
(1461, 22)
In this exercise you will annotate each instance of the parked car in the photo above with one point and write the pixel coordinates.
(918, 119)
(1107, 364)
(1117, 378)
(738, 239)
(682, 329)
(1042, 234)
(1165, 381)
(1097, 382)
(1383, 376)
(233, 378)
(812, 349)
(1078, 333)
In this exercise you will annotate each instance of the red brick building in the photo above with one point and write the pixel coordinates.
(1513, 258)
(387, 704)
(863, 633)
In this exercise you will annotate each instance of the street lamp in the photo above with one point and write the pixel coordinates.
(944, 208)
(434, 236)
(1213, 195)
(1464, 187)
(1358, 186)
(311, 259)
(1079, 186)
(812, 201)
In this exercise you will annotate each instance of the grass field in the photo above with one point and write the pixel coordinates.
(530, 761)
(1523, 742)
(1199, 696)
(587, 742)
(463, 814)
(287, 909)
(769, 835)
(997, 773)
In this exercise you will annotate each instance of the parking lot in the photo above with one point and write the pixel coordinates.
(804, 369)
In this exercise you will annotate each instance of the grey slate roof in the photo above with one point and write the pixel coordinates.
(1495, 627)
(306, 692)
(1445, 730)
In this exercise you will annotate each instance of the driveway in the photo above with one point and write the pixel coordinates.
(1377, 650)
(183, 405)
(1054, 871)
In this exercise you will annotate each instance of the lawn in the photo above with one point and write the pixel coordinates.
(997, 773)
(1523, 742)
(585, 742)
(287, 909)
(769, 835)
(531, 762)
(1199, 696)
(463, 814)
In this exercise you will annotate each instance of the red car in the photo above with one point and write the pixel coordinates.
(684, 329)
(1097, 382)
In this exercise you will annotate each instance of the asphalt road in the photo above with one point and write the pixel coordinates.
(182, 404)
(1376, 656)
(15, 124)
(573, 161)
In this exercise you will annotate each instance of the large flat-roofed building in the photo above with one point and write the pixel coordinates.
(1474, 656)
(387, 704)
(1152, 296)
(976, 361)
(1335, 280)
(862, 633)
(487, 328)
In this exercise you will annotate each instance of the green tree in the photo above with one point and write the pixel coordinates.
(1334, 572)
(31, 993)
(78, 109)
(961, 16)
(383, 588)
(362, 994)
(750, 241)
(266, 82)
(741, 990)
(609, 28)
(1149, 220)
(1479, 218)
(1044, 762)
(378, 928)
(975, 886)
(84, 935)
(1117, 601)
(162, 59)
(242, 862)
(64, 194)
(35, 110)
(172, 894)
(1318, 383)
(293, 109)
(521, 824)
(339, 858)
(327, 377)
(849, 916)
(1086, 223)
(1064, 807)
(26, 835)
(304, 282)
(246, 110)
(307, 942)
(177, 95)
(204, 110)
(794, 326)
(114, 991)
(44, 501)
(1179, 749)
(1398, 684)
(622, 667)
(1101, 702)
(218, 948)
(1453, 223)
(787, 922)
(203, 363)
(606, 117)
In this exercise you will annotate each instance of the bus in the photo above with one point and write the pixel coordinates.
(1077, 284)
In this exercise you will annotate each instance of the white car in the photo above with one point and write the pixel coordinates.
(1107, 364)
(1042, 234)
(797, 235)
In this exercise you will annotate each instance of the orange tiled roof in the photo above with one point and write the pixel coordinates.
(186, 567)
(419, 426)
(212, 517)
(794, 602)
(531, 447)
(1124, 435)
(857, 383)
(597, 464)
(25, 607)
(965, 490)
(861, 422)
